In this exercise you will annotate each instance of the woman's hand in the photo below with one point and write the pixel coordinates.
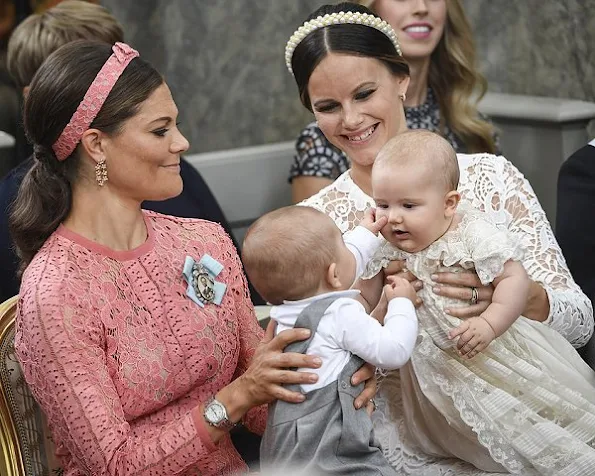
(366, 373)
(460, 286)
(269, 370)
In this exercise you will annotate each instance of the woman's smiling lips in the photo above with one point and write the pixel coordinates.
(361, 137)
(418, 31)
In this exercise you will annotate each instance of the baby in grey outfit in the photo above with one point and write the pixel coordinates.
(298, 261)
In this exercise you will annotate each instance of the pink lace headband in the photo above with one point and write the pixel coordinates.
(94, 98)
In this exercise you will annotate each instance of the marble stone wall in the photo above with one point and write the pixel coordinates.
(536, 47)
(224, 59)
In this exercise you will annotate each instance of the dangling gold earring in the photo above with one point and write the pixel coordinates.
(403, 97)
(101, 172)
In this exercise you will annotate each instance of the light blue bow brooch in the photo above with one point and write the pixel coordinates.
(202, 287)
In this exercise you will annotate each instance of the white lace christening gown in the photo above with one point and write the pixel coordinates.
(495, 186)
(525, 405)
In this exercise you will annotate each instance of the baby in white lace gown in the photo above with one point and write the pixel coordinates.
(517, 397)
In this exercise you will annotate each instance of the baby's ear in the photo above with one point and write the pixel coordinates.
(332, 276)
(451, 201)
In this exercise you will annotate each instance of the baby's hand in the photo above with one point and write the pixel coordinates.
(369, 221)
(400, 287)
(476, 333)
(379, 312)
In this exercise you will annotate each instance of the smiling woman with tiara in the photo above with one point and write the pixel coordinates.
(352, 75)
(436, 40)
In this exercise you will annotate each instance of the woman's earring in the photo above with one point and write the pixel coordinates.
(403, 97)
(101, 172)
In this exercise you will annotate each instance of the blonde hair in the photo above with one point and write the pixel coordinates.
(457, 82)
(423, 149)
(41, 34)
(287, 252)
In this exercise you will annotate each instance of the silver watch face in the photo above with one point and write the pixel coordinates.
(215, 412)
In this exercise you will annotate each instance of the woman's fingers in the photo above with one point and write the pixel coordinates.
(286, 337)
(465, 279)
(370, 407)
(269, 334)
(281, 393)
(363, 374)
(288, 360)
(367, 394)
(462, 294)
(271, 368)
(366, 373)
(290, 377)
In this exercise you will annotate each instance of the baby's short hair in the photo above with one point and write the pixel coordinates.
(424, 149)
(287, 252)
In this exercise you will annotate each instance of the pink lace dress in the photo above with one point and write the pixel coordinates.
(119, 358)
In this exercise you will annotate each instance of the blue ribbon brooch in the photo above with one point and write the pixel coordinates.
(202, 287)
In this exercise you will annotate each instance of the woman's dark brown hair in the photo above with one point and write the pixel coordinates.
(45, 195)
(352, 39)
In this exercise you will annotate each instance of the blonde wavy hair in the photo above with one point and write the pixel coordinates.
(456, 80)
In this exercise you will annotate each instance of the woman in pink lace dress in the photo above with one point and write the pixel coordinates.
(134, 330)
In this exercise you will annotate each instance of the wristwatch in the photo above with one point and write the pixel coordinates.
(215, 414)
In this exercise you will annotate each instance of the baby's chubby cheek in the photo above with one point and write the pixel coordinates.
(386, 232)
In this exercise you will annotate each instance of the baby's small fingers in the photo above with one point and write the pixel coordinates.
(463, 327)
(478, 349)
(469, 345)
(394, 267)
(465, 337)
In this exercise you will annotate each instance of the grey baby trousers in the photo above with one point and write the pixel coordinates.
(325, 434)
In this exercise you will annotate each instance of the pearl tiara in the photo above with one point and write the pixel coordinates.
(354, 18)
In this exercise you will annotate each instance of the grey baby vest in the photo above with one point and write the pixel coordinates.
(325, 434)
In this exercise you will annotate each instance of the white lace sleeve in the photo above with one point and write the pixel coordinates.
(493, 185)
(382, 258)
(489, 246)
(343, 201)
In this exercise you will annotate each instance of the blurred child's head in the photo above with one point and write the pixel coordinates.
(41, 34)
(414, 184)
(296, 252)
